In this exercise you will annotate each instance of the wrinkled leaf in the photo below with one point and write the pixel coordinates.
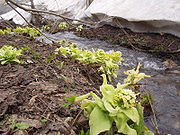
(99, 121)
(122, 126)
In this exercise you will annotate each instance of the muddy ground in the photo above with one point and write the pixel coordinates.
(36, 91)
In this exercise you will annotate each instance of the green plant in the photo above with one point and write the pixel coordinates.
(79, 28)
(63, 77)
(20, 126)
(63, 25)
(2, 32)
(118, 105)
(60, 64)
(32, 32)
(9, 54)
(109, 61)
(45, 28)
(148, 98)
(84, 133)
(37, 55)
(50, 58)
(43, 121)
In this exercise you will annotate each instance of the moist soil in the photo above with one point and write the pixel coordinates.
(162, 45)
(35, 92)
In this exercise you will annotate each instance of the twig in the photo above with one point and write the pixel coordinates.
(77, 116)
(8, 23)
(48, 12)
(154, 115)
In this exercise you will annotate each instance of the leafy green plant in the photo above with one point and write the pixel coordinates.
(79, 28)
(109, 61)
(9, 54)
(63, 25)
(118, 105)
(32, 32)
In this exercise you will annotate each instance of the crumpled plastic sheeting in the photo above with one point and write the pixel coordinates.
(141, 16)
(70, 8)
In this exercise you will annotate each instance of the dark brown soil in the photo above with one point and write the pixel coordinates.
(36, 91)
(163, 45)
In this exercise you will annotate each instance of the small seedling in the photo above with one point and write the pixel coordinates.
(63, 77)
(50, 58)
(25, 48)
(63, 25)
(20, 126)
(79, 28)
(37, 55)
(60, 64)
(45, 28)
(43, 121)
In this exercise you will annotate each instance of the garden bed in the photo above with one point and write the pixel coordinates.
(35, 92)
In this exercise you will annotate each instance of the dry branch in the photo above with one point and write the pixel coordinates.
(50, 13)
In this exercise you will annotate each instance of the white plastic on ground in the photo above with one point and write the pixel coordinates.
(141, 16)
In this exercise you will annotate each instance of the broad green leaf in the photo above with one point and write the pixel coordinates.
(112, 111)
(122, 126)
(99, 121)
(87, 106)
(132, 114)
(22, 125)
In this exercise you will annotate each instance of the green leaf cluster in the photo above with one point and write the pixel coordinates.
(63, 25)
(9, 54)
(134, 76)
(32, 32)
(79, 28)
(109, 61)
(118, 105)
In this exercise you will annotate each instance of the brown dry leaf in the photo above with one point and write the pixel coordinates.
(169, 64)
(32, 100)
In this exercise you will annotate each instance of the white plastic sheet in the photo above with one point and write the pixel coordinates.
(138, 15)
